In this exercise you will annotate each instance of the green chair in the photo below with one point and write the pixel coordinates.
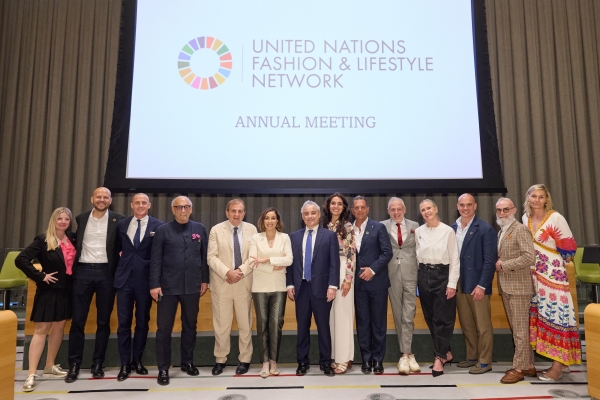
(11, 277)
(587, 273)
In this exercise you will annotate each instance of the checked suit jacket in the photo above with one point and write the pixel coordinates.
(517, 255)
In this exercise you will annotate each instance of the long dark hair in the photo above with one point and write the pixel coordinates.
(344, 217)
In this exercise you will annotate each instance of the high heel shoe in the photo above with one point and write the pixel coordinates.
(450, 361)
(435, 373)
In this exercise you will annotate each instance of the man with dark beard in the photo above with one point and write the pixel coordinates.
(515, 257)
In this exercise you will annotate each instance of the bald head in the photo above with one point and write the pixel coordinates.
(101, 199)
(466, 207)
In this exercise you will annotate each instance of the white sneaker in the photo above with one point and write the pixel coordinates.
(54, 371)
(403, 366)
(30, 383)
(414, 365)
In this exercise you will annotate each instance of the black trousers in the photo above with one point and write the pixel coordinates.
(439, 312)
(87, 280)
(270, 308)
(308, 305)
(165, 318)
(371, 323)
(133, 294)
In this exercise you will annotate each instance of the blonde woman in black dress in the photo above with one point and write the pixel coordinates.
(55, 251)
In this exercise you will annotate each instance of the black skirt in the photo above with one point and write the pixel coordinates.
(51, 305)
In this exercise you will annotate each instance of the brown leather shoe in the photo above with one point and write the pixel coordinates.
(512, 376)
(531, 372)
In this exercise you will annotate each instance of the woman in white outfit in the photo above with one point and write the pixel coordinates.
(336, 218)
(270, 253)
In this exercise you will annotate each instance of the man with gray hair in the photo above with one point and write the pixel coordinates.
(312, 282)
(403, 270)
(515, 257)
(178, 275)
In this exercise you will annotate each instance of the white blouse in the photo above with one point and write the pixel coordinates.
(438, 246)
(265, 279)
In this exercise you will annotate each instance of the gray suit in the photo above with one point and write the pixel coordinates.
(403, 271)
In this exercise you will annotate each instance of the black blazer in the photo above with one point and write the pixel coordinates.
(52, 261)
(133, 259)
(178, 265)
(112, 249)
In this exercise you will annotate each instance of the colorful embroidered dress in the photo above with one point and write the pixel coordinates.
(552, 327)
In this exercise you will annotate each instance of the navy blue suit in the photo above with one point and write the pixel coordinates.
(179, 267)
(132, 279)
(478, 256)
(311, 296)
(371, 297)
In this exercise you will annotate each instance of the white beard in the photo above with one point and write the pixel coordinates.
(502, 222)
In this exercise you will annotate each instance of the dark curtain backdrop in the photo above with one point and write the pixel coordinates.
(58, 62)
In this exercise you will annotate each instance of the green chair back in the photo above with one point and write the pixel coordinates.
(586, 272)
(10, 275)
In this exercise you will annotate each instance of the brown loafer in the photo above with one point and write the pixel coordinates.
(512, 376)
(531, 372)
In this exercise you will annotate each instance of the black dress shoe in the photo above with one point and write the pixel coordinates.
(242, 368)
(163, 377)
(327, 370)
(366, 367)
(97, 371)
(190, 369)
(377, 367)
(218, 369)
(302, 369)
(72, 374)
(124, 372)
(139, 368)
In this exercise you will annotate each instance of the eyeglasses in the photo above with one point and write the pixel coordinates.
(180, 208)
(503, 210)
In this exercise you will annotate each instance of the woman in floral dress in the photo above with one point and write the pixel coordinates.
(336, 218)
(553, 329)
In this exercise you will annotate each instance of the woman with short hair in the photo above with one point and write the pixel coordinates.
(439, 270)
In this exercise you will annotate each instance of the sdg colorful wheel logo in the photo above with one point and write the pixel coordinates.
(210, 81)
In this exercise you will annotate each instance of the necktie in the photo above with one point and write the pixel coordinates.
(399, 235)
(237, 252)
(136, 237)
(308, 256)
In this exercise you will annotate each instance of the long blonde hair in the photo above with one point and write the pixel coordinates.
(51, 238)
(539, 186)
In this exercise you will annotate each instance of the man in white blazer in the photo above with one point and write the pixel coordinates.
(403, 270)
(231, 285)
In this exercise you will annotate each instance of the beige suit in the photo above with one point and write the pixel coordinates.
(516, 252)
(227, 297)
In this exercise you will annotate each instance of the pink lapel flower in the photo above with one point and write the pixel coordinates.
(412, 231)
(195, 236)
